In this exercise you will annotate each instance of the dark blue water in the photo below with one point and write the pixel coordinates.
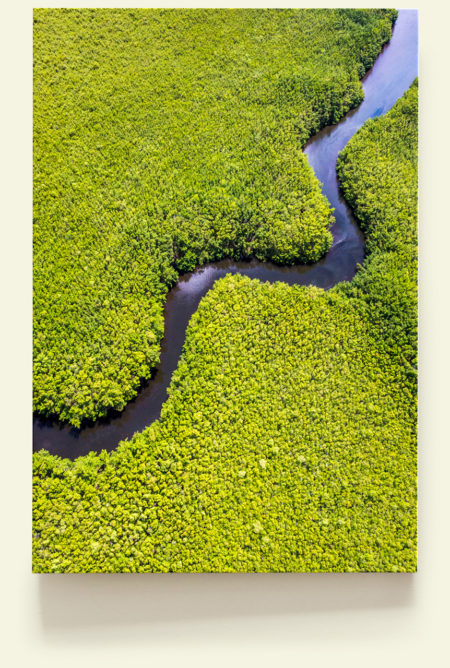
(394, 71)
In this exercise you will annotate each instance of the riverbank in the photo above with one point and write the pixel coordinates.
(391, 75)
(288, 442)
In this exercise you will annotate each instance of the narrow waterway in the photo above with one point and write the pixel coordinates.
(392, 74)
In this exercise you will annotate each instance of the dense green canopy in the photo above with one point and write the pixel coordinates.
(378, 173)
(163, 139)
(288, 442)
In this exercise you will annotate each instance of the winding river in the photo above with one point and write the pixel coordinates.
(392, 74)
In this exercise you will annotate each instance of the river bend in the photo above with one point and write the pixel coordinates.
(393, 72)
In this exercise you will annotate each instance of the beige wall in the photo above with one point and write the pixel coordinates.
(232, 620)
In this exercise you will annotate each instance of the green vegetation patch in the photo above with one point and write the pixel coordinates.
(288, 442)
(378, 174)
(164, 139)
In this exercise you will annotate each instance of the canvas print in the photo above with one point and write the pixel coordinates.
(225, 290)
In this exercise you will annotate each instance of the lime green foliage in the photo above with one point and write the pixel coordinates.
(378, 172)
(286, 445)
(288, 442)
(164, 139)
